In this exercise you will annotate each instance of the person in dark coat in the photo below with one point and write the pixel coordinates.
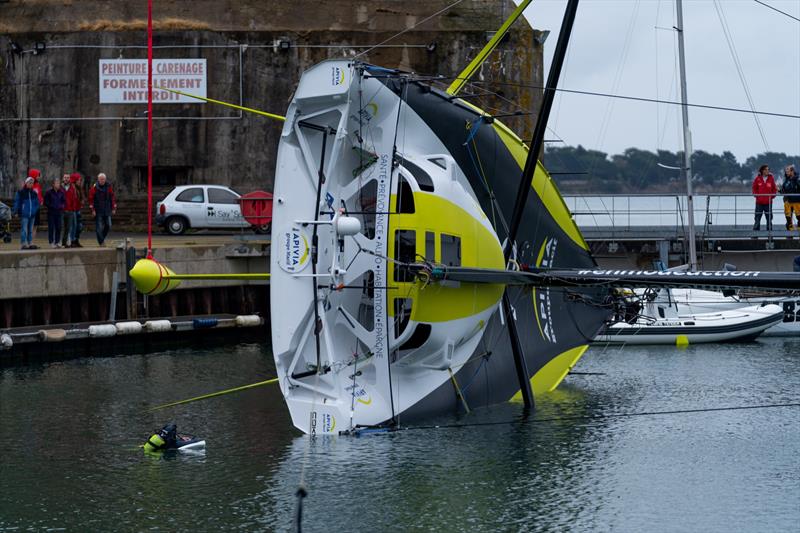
(790, 189)
(55, 200)
(26, 205)
(103, 204)
(764, 190)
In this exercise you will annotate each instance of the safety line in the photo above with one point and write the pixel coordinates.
(600, 416)
(776, 9)
(643, 99)
(220, 102)
(594, 93)
(214, 394)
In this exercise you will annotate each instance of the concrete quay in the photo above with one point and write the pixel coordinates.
(48, 286)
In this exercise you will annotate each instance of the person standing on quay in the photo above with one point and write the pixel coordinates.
(790, 189)
(77, 183)
(55, 200)
(103, 204)
(764, 190)
(73, 205)
(26, 205)
(36, 175)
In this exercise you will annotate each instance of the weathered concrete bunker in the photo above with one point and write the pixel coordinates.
(53, 116)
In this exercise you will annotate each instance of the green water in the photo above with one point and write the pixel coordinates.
(70, 431)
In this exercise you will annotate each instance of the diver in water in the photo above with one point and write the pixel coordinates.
(168, 439)
(165, 439)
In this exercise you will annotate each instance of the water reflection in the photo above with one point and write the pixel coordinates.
(71, 431)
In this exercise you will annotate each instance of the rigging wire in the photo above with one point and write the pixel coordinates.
(776, 9)
(426, 19)
(599, 416)
(609, 111)
(732, 48)
(651, 100)
(428, 78)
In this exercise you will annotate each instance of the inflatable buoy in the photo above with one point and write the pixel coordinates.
(247, 320)
(102, 330)
(201, 323)
(151, 277)
(52, 335)
(128, 328)
(158, 326)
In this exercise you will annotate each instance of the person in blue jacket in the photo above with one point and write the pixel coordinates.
(26, 205)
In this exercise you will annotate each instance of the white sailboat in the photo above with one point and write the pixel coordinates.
(702, 301)
(655, 317)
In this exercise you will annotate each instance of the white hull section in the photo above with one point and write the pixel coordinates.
(743, 323)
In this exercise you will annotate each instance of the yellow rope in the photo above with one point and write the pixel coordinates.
(244, 275)
(248, 109)
(213, 394)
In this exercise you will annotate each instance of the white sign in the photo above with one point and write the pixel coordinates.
(124, 81)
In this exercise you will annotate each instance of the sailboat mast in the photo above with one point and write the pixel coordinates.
(687, 140)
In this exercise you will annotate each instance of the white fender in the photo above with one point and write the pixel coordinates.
(248, 320)
(102, 330)
(157, 326)
(129, 328)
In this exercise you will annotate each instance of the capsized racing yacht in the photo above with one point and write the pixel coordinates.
(412, 273)
(377, 171)
(392, 201)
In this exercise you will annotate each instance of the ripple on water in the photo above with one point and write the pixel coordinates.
(70, 433)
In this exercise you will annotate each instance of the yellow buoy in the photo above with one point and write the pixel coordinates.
(681, 341)
(151, 277)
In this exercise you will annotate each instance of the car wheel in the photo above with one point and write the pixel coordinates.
(263, 229)
(176, 225)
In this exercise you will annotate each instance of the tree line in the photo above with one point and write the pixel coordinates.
(577, 169)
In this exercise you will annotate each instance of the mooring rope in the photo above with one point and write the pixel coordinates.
(599, 416)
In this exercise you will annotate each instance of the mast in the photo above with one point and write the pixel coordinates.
(525, 186)
(687, 140)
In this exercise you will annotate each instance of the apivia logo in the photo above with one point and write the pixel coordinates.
(294, 250)
(541, 297)
(337, 76)
(322, 423)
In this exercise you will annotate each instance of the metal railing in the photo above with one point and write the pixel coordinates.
(626, 212)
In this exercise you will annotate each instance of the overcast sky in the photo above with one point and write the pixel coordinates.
(599, 60)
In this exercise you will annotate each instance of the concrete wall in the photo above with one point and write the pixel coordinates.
(89, 271)
(50, 117)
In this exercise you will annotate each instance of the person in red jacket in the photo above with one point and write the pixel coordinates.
(77, 182)
(36, 175)
(764, 190)
(71, 209)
